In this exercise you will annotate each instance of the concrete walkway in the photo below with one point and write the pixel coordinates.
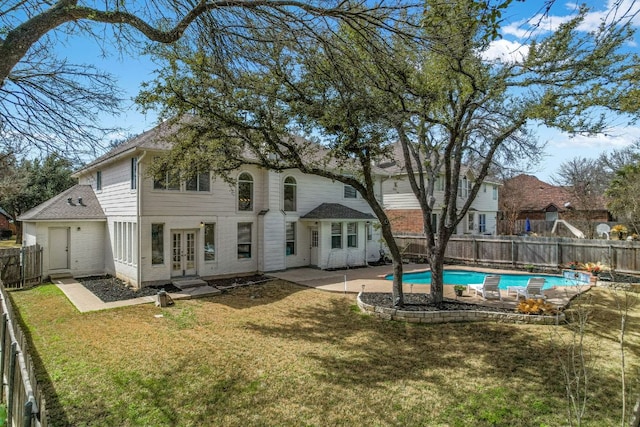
(351, 281)
(85, 300)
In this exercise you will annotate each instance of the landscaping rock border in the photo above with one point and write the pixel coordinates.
(448, 316)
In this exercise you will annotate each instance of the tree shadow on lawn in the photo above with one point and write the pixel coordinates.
(254, 295)
(399, 351)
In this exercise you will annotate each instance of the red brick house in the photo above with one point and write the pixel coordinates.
(526, 197)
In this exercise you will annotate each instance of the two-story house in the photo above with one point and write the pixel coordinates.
(405, 214)
(147, 231)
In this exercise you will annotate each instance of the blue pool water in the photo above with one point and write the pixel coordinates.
(465, 277)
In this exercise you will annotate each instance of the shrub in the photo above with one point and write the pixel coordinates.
(536, 306)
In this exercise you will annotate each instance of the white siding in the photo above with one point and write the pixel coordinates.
(86, 246)
(116, 197)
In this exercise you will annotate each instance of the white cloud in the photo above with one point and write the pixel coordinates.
(613, 138)
(505, 51)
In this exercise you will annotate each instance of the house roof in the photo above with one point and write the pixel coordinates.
(336, 211)
(396, 165)
(77, 203)
(4, 213)
(537, 195)
(153, 139)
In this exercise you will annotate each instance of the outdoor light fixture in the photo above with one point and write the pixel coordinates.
(201, 223)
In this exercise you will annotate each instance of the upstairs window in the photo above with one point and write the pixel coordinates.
(199, 182)
(495, 192)
(350, 192)
(290, 195)
(167, 181)
(134, 173)
(245, 192)
(99, 180)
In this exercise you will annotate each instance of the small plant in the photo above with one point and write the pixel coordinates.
(575, 265)
(459, 289)
(536, 306)
(529, 267)
(595, 268)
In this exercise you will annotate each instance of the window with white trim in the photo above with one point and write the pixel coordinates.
(209, 242)
(352, 234)
(290, 238)
(290, 193)
(245, 192)
(244, 240)
(157, 244)
(134, 173)
(482, 223)
(99, 180)
(336, 235)
(470, 222)
(350, 192)
(199, 182)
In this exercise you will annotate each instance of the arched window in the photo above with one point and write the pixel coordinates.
(290, 195)
(245, 192)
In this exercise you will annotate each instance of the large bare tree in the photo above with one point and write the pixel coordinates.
(48, 103)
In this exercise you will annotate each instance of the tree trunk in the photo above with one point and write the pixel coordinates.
(436, 259)
(396, 257)
(18, 225)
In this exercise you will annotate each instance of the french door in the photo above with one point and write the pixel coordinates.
(183, 253)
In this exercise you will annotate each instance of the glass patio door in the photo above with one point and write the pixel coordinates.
(183, 253)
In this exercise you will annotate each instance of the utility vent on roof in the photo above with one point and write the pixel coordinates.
(80, 201)
(70, 201)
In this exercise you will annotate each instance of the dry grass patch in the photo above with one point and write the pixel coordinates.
(280, 354)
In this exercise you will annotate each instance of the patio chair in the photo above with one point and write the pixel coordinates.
(532, 290)
(487, 287)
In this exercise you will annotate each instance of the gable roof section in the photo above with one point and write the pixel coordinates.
(77, 203)
(4, 213)
(153, 139)
(336, 211)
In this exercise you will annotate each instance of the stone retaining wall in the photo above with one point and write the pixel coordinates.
(456, 315)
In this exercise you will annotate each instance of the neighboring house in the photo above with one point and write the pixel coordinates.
(6, 223)
(526, 197)
(405, 214)
(149, 231)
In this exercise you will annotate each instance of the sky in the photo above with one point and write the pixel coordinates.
(130, 72)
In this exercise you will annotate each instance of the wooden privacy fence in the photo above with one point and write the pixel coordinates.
(21, 266)
(24, 400)
(544, 252)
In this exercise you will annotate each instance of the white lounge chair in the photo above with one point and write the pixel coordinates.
(488, 287)
(532, 290)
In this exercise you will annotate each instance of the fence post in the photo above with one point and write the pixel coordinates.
(22, 267)
(27, 414)
(3, 348)
(10, 380)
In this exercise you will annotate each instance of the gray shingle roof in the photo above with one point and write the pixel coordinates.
(66, 206)
(336, 211)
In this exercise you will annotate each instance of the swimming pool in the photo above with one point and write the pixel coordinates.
(465, 277)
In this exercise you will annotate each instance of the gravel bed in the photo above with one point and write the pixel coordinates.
(240, 280)
(424, 302)
(109, 288)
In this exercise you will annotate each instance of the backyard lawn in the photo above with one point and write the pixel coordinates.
(281, 354)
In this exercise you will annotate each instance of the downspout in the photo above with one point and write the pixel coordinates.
(138, 217)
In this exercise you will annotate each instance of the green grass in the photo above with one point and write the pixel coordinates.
(280, 354)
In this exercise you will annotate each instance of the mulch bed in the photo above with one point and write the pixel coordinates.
(110, 289)
(424, 302)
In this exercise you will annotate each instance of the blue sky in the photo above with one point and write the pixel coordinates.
(130, 72)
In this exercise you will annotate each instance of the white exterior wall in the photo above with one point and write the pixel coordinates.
(337, 258)
(86, 245)
(116, 197)
(397, 195)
